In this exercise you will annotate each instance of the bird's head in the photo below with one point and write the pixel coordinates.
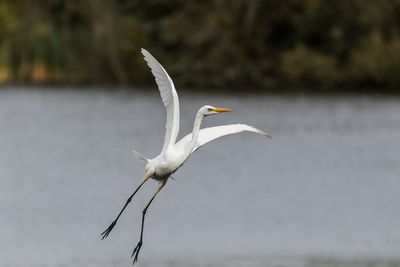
(210, 110)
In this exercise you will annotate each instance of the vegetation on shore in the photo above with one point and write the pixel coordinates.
(222, 43)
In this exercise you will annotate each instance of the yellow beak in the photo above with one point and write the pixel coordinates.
(219, 110)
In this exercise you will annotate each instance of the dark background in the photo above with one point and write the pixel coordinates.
(272, 45)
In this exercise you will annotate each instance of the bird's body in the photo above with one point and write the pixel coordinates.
(174, 154)
(164, 165)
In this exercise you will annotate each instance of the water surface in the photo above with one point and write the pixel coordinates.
(327, 186)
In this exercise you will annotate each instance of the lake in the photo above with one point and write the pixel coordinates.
(325, 191)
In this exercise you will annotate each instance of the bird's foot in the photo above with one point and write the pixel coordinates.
(108, 230)
(135, 252)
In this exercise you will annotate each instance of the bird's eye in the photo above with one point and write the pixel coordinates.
(210, 109)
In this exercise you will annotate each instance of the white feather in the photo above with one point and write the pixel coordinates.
(169, 98)
(208, 134)
(140, 156)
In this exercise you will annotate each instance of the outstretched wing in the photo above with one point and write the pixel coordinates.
(208, 134)
(169, 98)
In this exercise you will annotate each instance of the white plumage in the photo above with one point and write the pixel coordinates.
(168, 96)
(174, 154)
(211, 133)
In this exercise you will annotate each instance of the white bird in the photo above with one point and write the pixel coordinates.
(174, 154)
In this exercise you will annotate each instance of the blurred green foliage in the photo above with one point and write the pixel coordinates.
(220, 43)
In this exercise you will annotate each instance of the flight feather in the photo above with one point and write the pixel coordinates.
(169, 98)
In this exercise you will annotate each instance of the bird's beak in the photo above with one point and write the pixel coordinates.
(219, 110)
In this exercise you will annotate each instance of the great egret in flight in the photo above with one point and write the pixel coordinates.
(174, 154)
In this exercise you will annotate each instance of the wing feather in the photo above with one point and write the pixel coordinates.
(208, 134)
(169, 98)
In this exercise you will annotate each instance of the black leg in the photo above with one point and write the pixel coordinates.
(108, 230)
(135, 252)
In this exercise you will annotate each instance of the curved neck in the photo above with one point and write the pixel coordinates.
(195, 133)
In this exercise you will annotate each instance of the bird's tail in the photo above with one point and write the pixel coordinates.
(140, 156)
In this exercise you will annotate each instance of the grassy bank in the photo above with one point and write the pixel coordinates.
(334, 45)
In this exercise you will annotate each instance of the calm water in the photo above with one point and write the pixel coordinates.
(325, 191)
